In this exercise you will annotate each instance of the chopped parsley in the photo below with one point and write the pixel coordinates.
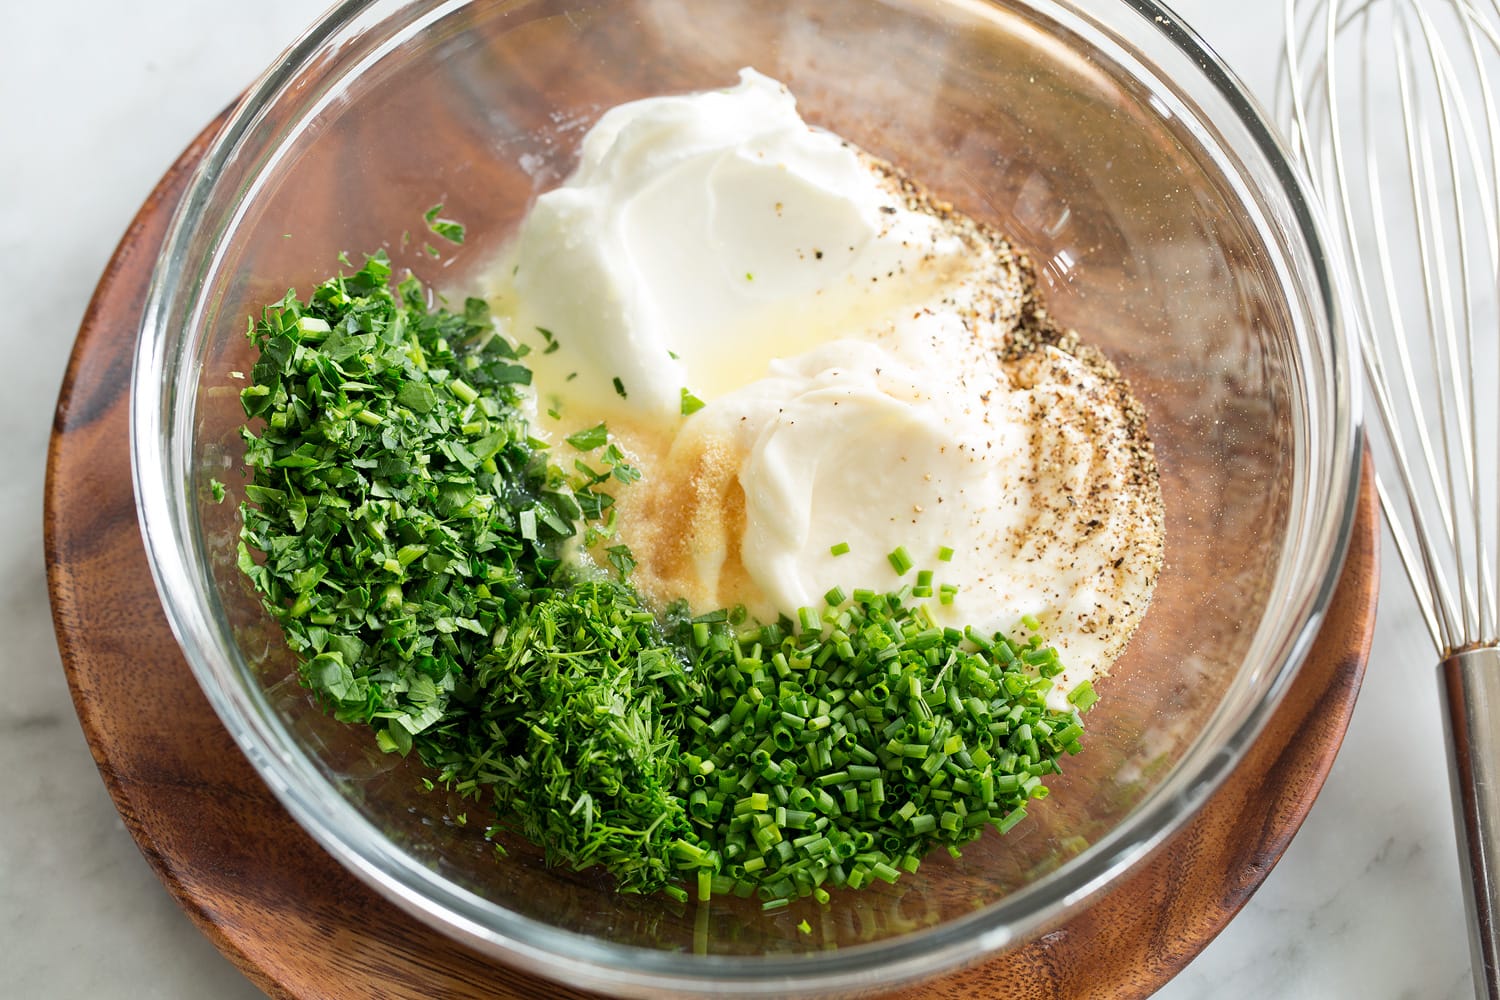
(449, 230)
(590, 439)
(402, 526)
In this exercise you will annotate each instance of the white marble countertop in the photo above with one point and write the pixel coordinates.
(99, 98)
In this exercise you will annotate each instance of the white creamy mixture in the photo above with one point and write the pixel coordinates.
(864, 359)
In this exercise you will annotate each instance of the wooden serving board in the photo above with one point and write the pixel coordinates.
(299, 925)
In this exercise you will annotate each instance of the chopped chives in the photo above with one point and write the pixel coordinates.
(840, 549)
(1083, 696)
(900, 561)
(1005, 824)
(945, 554)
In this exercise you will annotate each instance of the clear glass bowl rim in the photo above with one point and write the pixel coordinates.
(161, 464)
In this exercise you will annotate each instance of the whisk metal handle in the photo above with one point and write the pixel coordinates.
(1471, 688)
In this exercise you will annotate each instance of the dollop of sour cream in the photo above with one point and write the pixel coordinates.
(847, 337)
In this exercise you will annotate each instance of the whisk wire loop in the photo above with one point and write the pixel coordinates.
(1438, 305)
(1424, 264)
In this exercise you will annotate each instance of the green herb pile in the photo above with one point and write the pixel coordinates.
(844, 752)
(445, 581)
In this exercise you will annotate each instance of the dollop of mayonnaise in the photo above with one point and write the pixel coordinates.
(849, 338)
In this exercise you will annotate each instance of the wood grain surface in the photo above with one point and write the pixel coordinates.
(299, 925)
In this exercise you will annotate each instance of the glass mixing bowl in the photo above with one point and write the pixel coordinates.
(1164, 223)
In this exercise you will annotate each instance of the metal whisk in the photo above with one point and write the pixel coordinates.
(1392, 107)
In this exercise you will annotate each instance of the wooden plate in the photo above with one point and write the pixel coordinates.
(299, 925)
